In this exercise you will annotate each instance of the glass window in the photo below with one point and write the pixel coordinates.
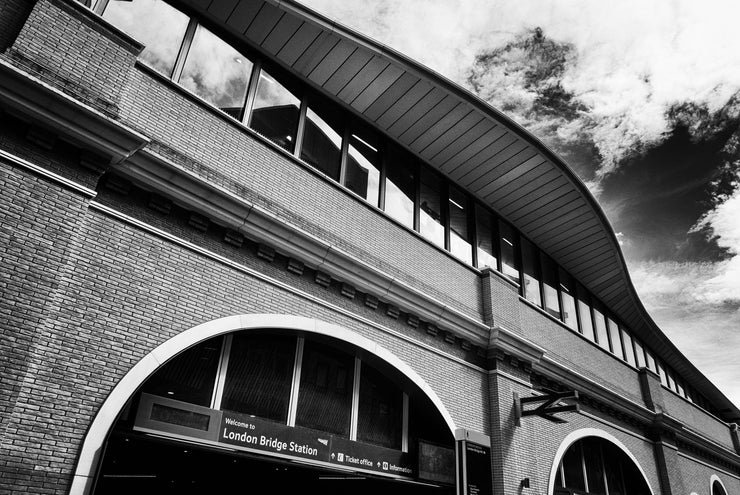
(259, 375)
(671, 381)
(508, 245)
(614, 339)
(400, 188)
(584, 314)
(629, 353)
(679, 387)
(573, 468)
(190, 376)
(322, 140)
(484, 229)
(216, 72)
(275, 112)
(601, 331)
(567, 291)
(530, 267)
(594, 465)
(549, 286)
(639, 353)
(363, 165)
(325, 395)
(380, 413)
(661, 374)
(158, 26)
(460, 245)
(431, 223)
(649, 360)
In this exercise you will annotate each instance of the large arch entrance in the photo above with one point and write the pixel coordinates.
(593, 462)
(304, 407)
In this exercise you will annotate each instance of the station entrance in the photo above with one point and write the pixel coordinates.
(284, 412)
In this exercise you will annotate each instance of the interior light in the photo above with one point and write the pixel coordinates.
(238, 60)
(267, 78)
(455, 203)
(507, 241)
(564, 288)
(364, 142)
(289, 138)
(170, 392)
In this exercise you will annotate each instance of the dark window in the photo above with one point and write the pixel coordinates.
(275, 112)
(567, 296)
(400, 188)
(190, 376)
(460, 245)
(484, 229)
(717, 489)
(594, 465)
(550, 286)
(363, 165)
(144, 21)
(322, 140)
(325, 395)
(216, 72)
(380, 414)
(573, 468)
(508, 245)
(530, 268)
(431, 222)
(259, 375)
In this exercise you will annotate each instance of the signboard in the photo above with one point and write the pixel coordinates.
(436, 463)
(477, 469)
(162, 415)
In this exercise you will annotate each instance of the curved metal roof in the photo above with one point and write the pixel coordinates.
(463, 137)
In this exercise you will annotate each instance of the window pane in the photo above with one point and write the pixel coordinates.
(509, 265)
(380, 414)
(613, 463)
(363, 165)
(322, 140)
(259, 376)
(594, 465)
(484, 230)
(601, 333)
(400, 189)
(679, 387)
(614, 338)
(549, 285)
(325, 395)
(459, 236)
(275, 112)
(216, 72)
(662, 375)
(629, 353)
(158, 26)
(573, 468)
(567, 290)
(671, 381)
(584, 315)
(649, 360)
(430, 208)
(190, 376)
(639, 353)
(530, 265)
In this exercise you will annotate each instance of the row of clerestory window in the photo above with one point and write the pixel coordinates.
(324, 136)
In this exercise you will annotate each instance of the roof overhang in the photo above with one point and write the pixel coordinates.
(463, 137)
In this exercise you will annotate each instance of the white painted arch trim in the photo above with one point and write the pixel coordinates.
(711, 485)
(573, 437)
(93, 443)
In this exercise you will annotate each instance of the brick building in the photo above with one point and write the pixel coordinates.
(244, 246)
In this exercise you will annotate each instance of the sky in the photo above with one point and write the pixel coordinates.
(642, 99)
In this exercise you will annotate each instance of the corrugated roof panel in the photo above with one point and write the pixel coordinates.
(315, 53)
(243, 15)
(483, 163)
(404, 102)
(363, 79)
(562, 208)
(532, 175)
(487, 146)
(349, 69)
(444, 126)
(301, 41)
(417, 111)
(267, 18)
(376, 88)
(430, 118)
(405, 83)
(585, 249)
(198, 4)
(551, 193)
(574, 232)
(476, 138)
(281, 34)
(338, 54)
(468, 124)
(222, 9)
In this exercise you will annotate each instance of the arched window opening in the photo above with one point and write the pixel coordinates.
(301, 406)
(717, 488)
(595, 466)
